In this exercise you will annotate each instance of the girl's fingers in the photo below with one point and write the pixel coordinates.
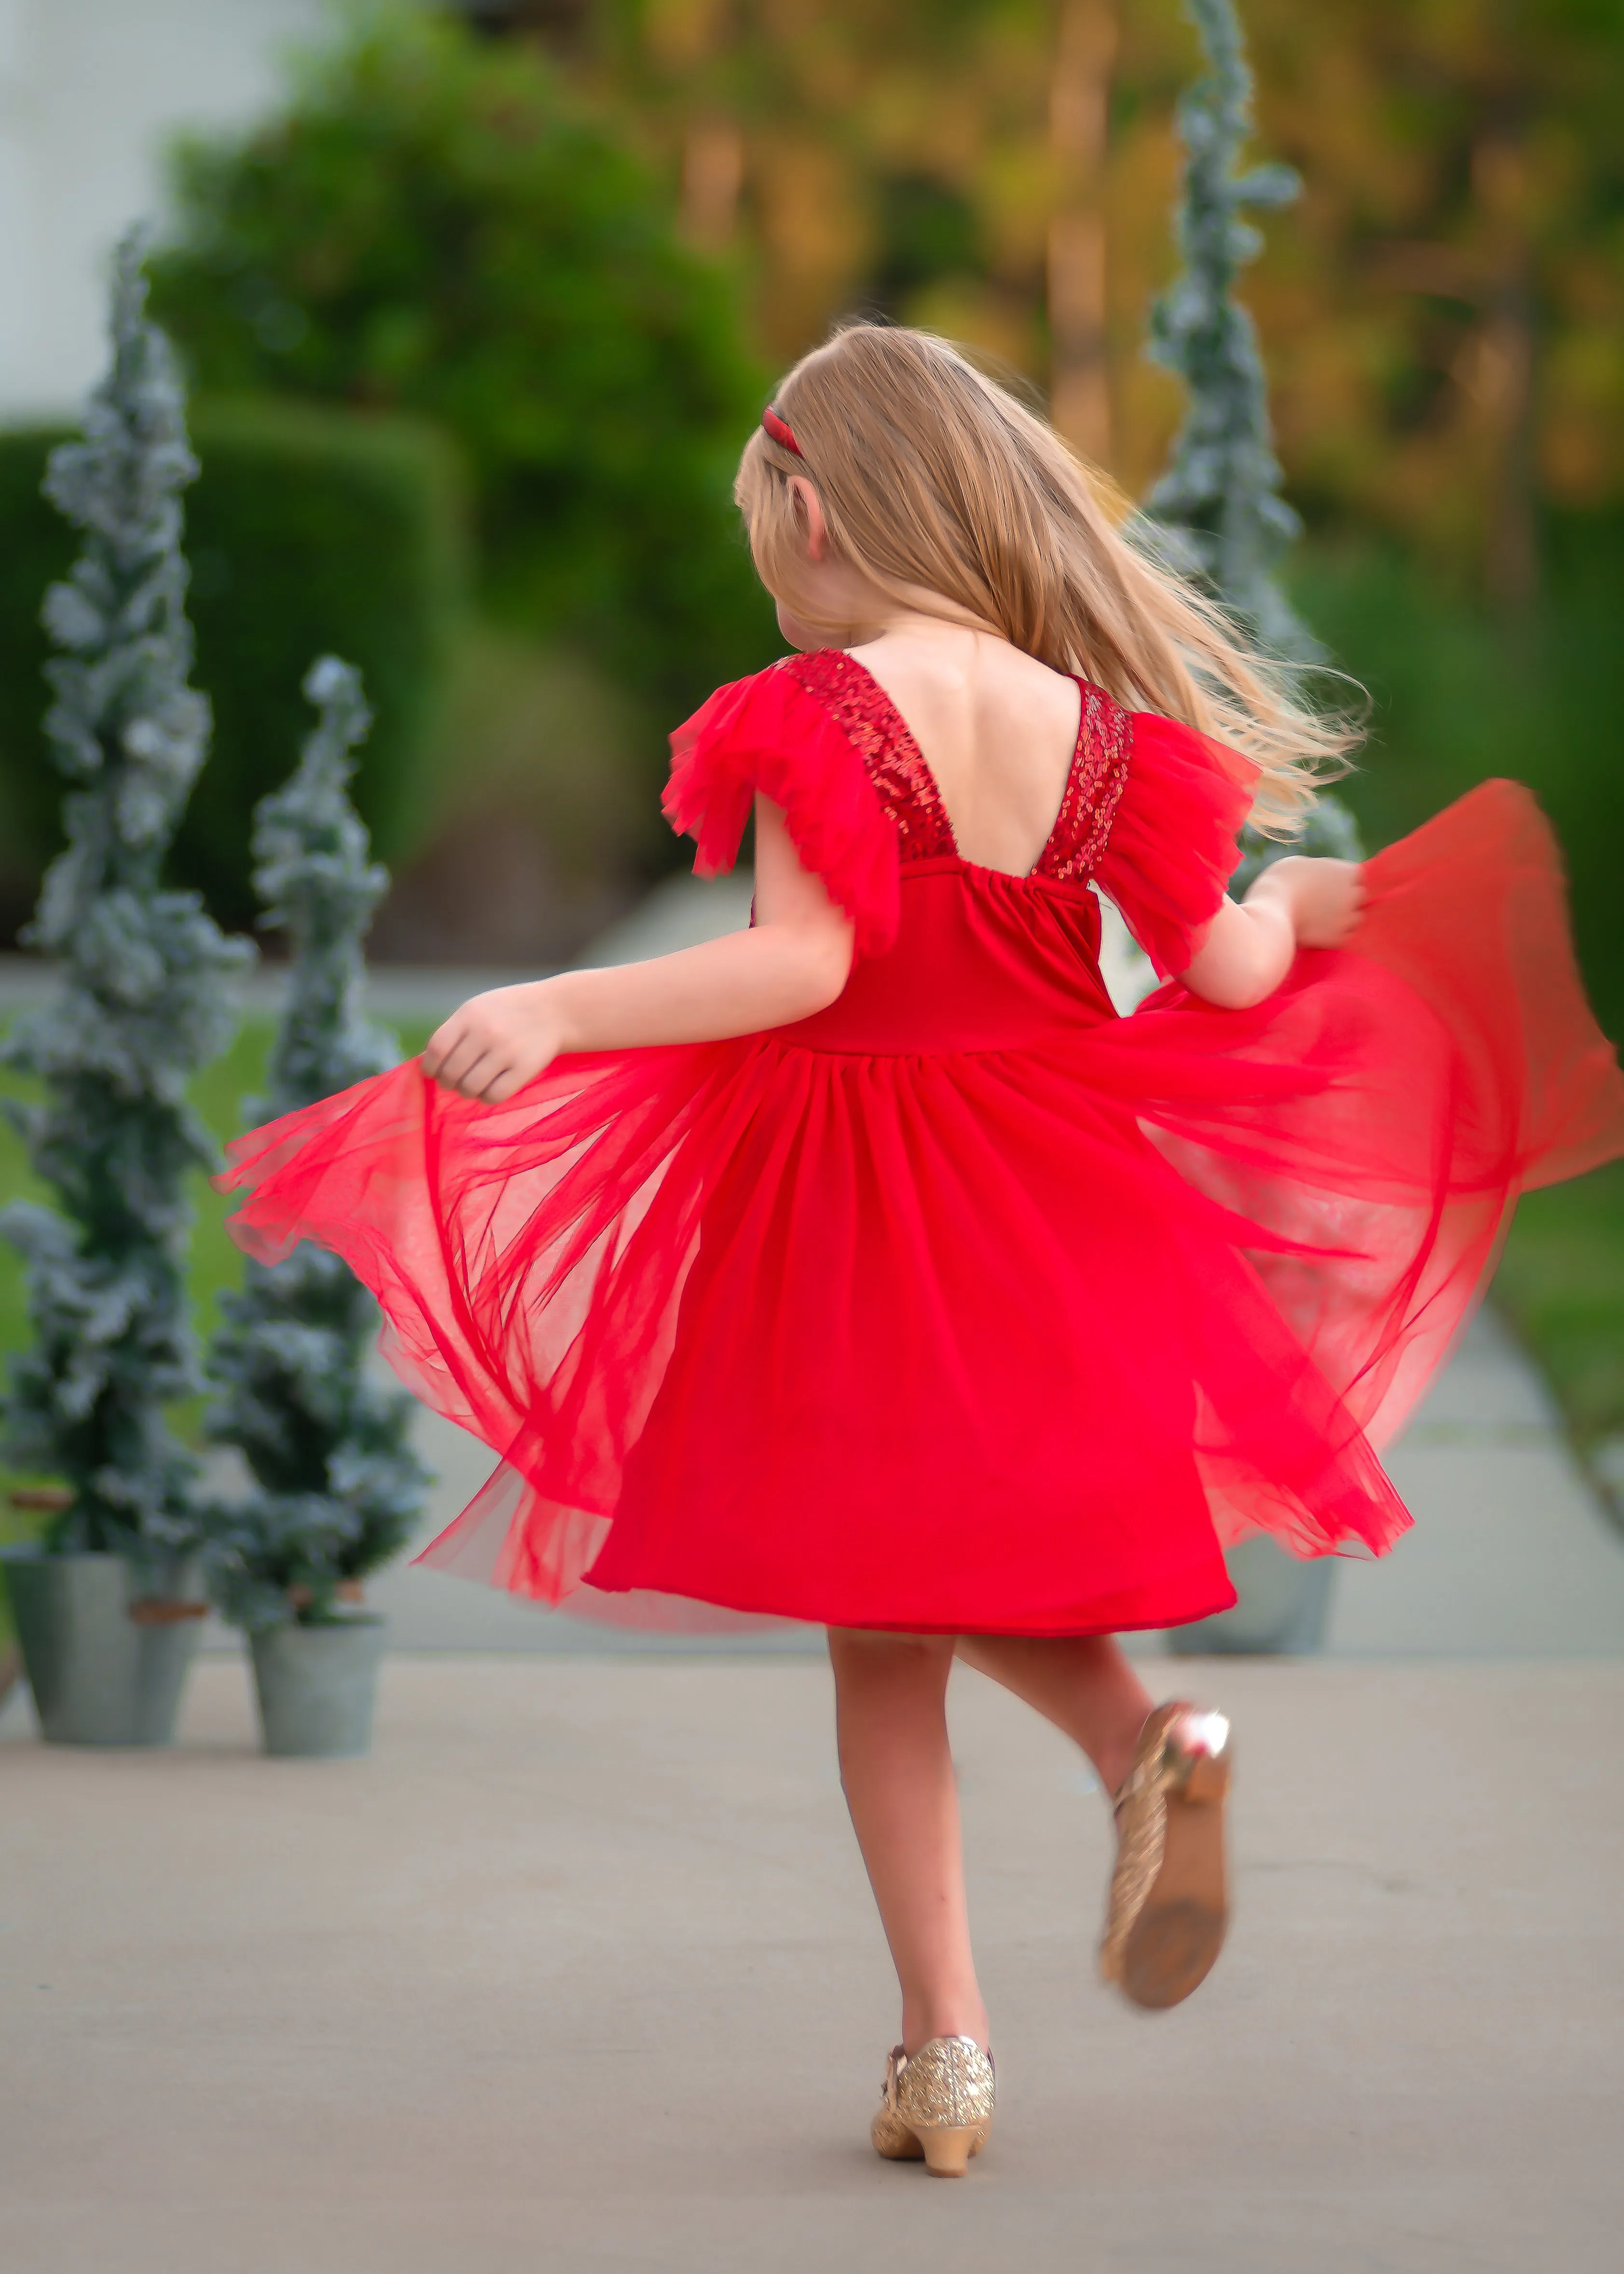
(462, 1061)
(445, 1044)
(454, 1062)
(476, 1080)
(479, 1050)
(455, 1046)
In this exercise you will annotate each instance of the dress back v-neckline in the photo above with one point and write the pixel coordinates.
(908, 787)
(909, 742)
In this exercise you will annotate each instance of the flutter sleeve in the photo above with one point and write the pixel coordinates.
(767, 733)
(1172, 847)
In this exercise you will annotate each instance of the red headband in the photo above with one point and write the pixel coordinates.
(779, 433)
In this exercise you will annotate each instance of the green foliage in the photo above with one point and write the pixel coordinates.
(307, 526)
(434, 224)
(1561, 1280)
(142, 1003)
(1455, 698)
(337, 1487)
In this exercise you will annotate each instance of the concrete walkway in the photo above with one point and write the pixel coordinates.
(580, 1973)
(1512, 1554)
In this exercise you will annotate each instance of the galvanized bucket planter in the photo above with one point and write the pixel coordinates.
(106, 1655)
(318, 1686)
(1283, 1605)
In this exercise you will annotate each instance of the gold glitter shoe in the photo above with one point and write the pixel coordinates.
(937, 2104)
(1168, 1905)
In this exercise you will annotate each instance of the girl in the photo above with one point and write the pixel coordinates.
(865, 1268)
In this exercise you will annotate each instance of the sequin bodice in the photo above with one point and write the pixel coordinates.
(907, 789)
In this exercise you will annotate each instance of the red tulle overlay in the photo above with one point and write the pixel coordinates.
(966, 1305)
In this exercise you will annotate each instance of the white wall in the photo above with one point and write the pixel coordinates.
(90, 92)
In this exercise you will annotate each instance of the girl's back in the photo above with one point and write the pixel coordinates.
(996, 728)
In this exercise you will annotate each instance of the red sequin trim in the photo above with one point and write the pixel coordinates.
(872, 724)
(907, 789)
(1093, 790)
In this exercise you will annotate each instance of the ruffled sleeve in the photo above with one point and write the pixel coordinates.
(1172, 847)
(767, 733)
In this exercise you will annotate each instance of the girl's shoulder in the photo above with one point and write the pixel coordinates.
(783, 734)
(1174, 842)
(807, 732)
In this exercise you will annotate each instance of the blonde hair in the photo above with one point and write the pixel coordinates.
(938, 485)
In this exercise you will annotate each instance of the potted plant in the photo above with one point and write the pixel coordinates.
(105, 1602)
(336, 1487)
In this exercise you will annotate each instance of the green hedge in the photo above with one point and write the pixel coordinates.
(310, 531)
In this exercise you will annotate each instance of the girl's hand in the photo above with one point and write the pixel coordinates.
(1247, 948)
(1325, 899)
(497, 1042)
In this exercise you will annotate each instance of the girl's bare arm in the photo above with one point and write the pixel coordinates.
(1249, 946)
(793, 960)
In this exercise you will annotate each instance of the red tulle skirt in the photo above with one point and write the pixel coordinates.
(968, 1305)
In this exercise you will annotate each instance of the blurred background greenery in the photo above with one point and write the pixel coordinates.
(567, 243)
(479, 312)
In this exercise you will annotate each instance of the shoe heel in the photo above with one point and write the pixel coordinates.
(947, 2147)
(1207, 1780)
(1197, 1754)
(924, 2102)
(1169, 1907)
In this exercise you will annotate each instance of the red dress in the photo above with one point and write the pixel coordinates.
(967, 1305)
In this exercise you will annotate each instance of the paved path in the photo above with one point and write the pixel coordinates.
(1511, 1554)
(579, 1973)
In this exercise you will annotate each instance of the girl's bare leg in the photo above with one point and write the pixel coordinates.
(892, 1722)
(1080, 1683)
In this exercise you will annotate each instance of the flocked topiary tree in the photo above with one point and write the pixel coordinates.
(1221, 495)
(142, 1003)
(336, 1487)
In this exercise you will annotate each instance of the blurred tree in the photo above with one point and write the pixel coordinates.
(1443, 312)
(1222, 492)
(1446, 312)
(896, 157)
(436, 223)
(1080, 398)
(1219, 499)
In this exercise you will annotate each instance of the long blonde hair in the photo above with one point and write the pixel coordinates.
(937, 483)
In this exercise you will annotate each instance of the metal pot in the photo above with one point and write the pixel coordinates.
(1284, 1602)
(318, 1686)
(106, 1657)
